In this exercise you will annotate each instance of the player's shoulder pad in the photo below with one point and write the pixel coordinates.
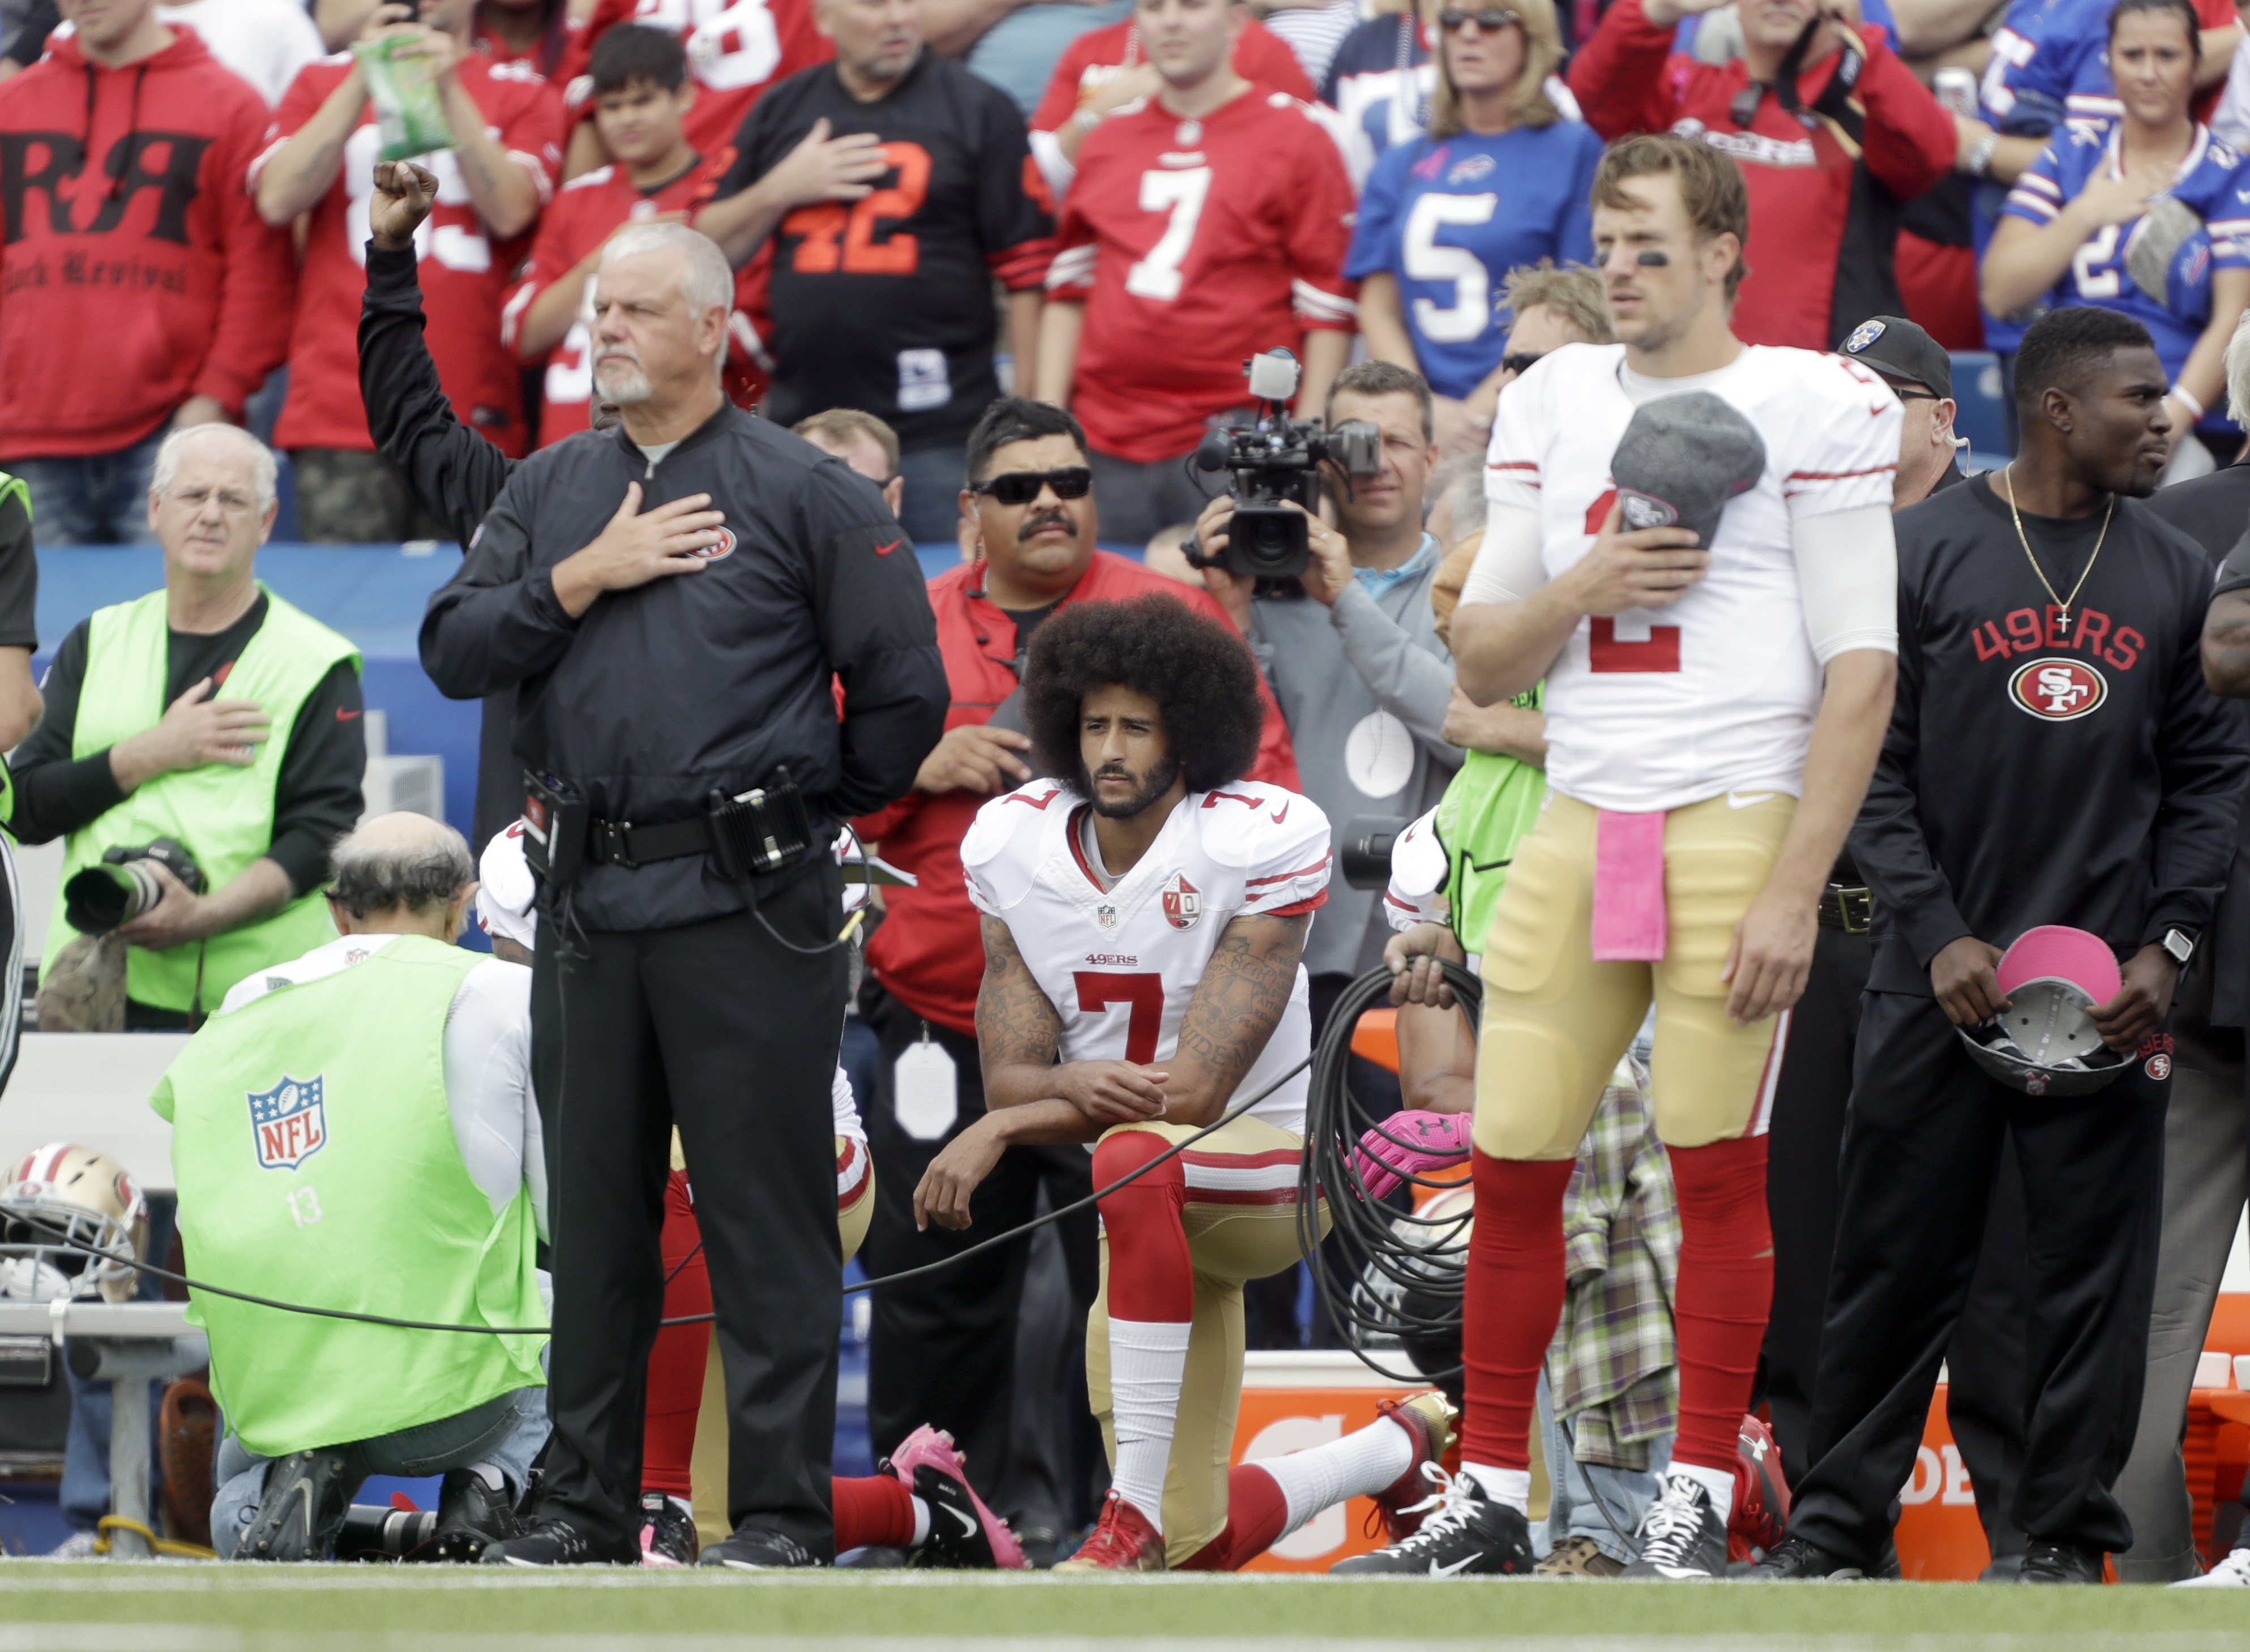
(1841, 381)
(1418, 860)
(594, 179)
(1001, 849)
(1255, 827)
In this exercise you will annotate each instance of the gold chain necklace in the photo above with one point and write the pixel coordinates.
(2062, 604)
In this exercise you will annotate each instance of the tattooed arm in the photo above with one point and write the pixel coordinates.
(1017, 1033)
(1028, 1099)
(1236, 1005)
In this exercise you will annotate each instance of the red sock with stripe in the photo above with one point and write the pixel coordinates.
(1511, 1303)
(1726, 1286)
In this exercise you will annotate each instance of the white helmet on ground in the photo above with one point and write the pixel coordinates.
(58, 1203)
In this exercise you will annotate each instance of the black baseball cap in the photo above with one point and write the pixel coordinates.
(1898, 349)
(1681, 458)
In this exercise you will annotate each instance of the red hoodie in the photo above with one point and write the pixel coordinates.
(135, 272)
(928, 952)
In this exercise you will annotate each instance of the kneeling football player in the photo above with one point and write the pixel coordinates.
(1144, 921)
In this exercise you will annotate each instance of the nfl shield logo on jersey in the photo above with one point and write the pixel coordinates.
(1183, 902)
(288, 1123)
(1106, 915)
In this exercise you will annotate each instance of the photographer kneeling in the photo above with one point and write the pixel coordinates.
(211, 722)
(1351, 649)
(388, 1162)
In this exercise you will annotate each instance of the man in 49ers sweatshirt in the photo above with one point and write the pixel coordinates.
(138, 286)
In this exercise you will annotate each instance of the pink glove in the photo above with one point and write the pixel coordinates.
(1433, 1141)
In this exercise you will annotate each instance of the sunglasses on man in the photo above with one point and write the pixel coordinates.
(1022, 486)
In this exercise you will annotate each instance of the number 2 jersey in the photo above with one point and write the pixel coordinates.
(1193, 244)
(1658, 708)
(1120, 965)
(2212, 180)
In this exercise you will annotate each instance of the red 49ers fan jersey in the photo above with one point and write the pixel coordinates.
(1194, 244)
(587, 212)
(1120, 965)
(735, 49)
(464, 273)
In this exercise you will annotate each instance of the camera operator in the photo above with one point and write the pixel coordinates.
(1351, 649)
(675, 675)
(212, 720)
(392, 1166)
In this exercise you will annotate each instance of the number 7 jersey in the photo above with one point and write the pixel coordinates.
(1193, 244)
(1120, 965)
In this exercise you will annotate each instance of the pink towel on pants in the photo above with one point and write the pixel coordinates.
(1628, 887)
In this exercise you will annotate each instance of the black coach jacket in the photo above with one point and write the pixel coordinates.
(700, 680)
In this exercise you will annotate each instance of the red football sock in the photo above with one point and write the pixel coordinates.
(1256, 1511)
(1726, 1285)
(675, 1363)
(1511, 1303)
(1150, 1275)
(877, 1509)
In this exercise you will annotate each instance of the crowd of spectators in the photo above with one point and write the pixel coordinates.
(922, 214)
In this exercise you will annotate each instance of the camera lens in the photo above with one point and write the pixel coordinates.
(1266, 541)
(99, 898)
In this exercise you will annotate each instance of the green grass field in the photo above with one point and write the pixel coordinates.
(96, 1608)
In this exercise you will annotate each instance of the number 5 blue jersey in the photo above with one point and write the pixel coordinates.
(2211, 182)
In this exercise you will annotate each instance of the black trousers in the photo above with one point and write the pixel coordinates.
(1985, 1400)
(942, 1349)
(717, 1028)
(1921, 1148)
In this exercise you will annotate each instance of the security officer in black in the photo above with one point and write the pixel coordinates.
(680, 600)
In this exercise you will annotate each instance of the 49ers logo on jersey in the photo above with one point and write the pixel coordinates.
(1183, 902)
(714, 553)
(2057, 690)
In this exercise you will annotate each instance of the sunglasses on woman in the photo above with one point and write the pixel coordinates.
(1021, 487)
(1492, 19)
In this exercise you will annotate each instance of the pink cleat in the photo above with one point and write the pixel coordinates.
(963, 1533)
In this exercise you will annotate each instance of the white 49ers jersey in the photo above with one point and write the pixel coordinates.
(1657, 708)
(1120, 965)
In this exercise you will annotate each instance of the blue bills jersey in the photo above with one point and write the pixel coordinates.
(1447, 219)
(2211, 181)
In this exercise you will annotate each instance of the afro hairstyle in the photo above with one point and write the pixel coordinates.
(1199, 673)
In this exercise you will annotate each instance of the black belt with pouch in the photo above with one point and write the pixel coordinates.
(764, 830)
(1849, 909)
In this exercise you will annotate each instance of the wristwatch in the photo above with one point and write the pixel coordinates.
(1979, 162)
(2179, 946)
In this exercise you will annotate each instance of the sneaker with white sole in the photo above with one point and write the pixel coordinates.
(1463, 1533)
(2232, 1571)
(963, 1533)
(1682, 1538)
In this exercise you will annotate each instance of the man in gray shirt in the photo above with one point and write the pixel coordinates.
(1354, 658)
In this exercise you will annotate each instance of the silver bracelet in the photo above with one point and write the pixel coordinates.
(1979, 163)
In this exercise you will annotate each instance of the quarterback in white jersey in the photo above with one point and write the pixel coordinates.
(1718, 663)
(1144, 923)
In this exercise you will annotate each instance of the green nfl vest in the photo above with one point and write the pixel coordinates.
(1489, 803)
(316, 1163)
(224, 815)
